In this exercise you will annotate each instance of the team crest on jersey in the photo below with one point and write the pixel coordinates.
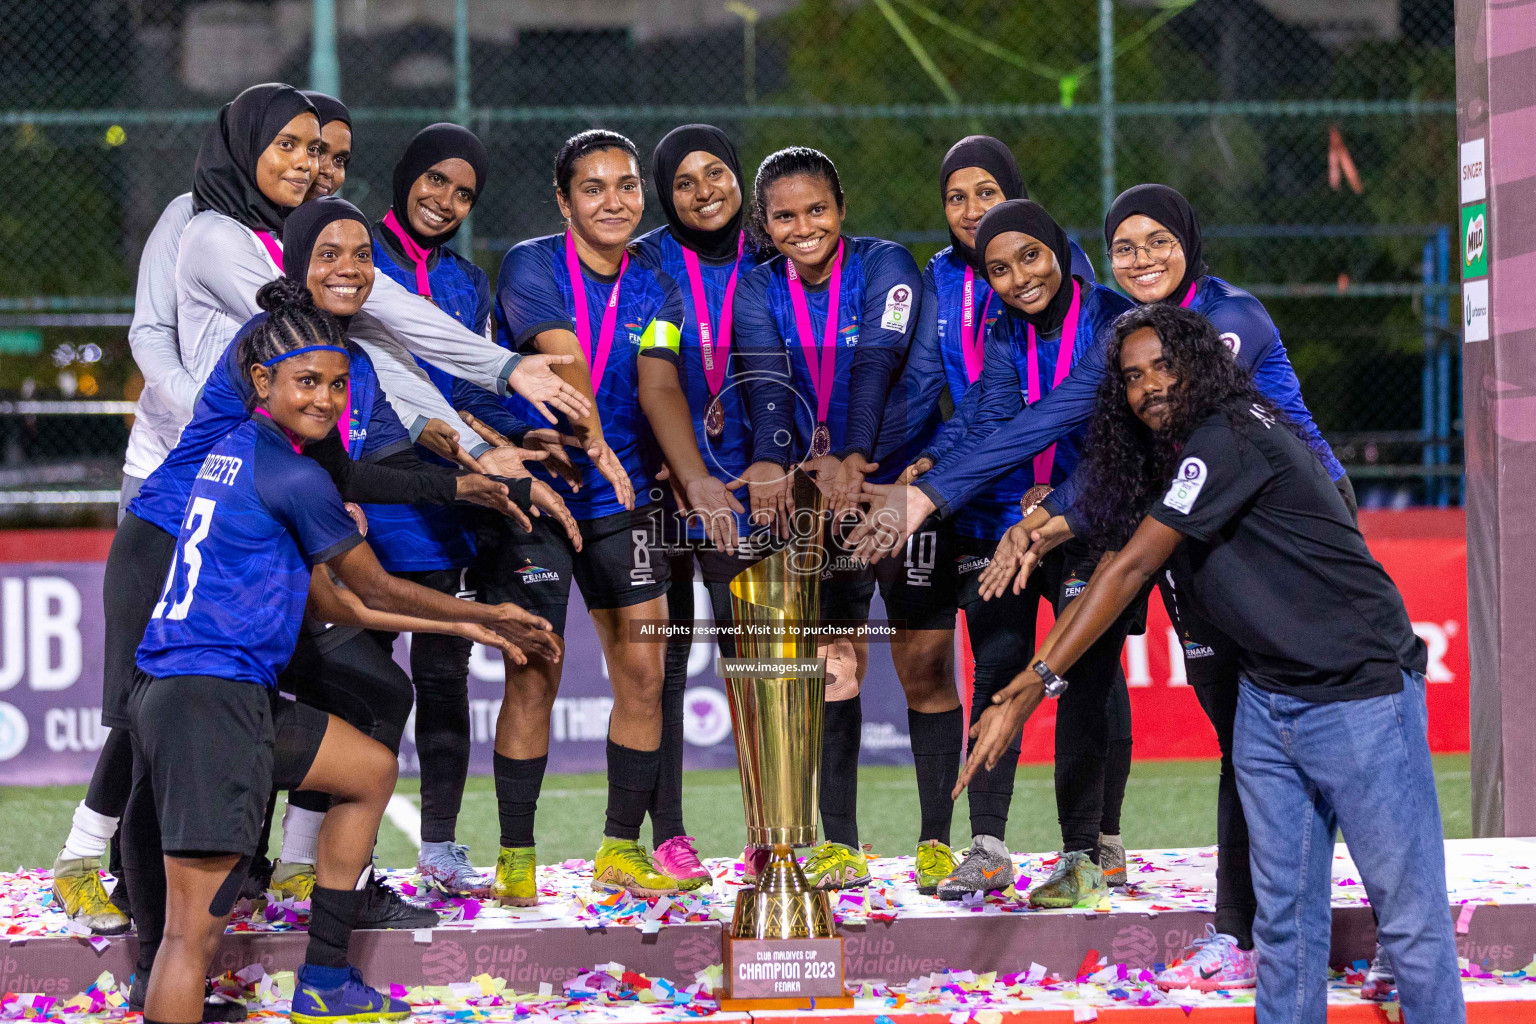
(850, 334)
(1074, 586)
(1197, 650)
(898, 309)
(537, 574)
(634, 333)
(1186, 485)
(975, 564)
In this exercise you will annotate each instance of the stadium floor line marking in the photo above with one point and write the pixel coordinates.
(403, 813)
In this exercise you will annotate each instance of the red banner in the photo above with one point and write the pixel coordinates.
(1425, 553)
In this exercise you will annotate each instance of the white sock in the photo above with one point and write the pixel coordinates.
(90, 833)
(301, 835)
(991, 844)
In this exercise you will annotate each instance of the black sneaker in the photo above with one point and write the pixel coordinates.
(383, 907)
(257, 877)
(215, 1008)
(119, 898)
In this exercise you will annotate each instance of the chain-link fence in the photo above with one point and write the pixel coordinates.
(1316, 140)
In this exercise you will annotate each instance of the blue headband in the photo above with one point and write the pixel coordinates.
(307, 348)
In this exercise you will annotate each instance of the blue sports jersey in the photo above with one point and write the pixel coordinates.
(727, 456)
(877, 309)
(1249, 333)
(414, 538)
(1003, 393)
(534, 294)
(373, 430)
(1252, 337)
(260, 517)
(913, 427)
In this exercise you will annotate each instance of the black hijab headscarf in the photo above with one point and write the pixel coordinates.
(1030, 217)
(1173, 212)
(327, 107)
(670, 152)
(430, 146)
(304, 227)
(224, 178)
(991, 156)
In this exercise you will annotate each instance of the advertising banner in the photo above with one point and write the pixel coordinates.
(51, 650)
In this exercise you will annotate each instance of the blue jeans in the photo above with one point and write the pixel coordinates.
(1363, 766)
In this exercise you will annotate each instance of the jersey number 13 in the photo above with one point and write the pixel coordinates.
(199, 519)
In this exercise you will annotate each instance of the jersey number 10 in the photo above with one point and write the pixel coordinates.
(199, 519)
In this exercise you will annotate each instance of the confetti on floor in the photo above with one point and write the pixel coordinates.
(1480, 873)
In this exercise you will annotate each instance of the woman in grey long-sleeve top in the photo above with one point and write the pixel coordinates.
(210, 265)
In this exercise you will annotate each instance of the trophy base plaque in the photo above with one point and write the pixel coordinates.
(784, 974)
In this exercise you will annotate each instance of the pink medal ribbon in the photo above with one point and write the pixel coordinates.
(598, 359)
(1189, 296)
(274, 250)
(715, 349)
(822, 372)
(1046, 461)
(972, 343)
(415, 253)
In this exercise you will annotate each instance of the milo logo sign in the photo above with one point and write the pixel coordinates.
(1474, 235)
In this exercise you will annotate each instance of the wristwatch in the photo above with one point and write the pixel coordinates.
(1055, 686)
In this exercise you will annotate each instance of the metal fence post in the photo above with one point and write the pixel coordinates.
(1106, 104)
(324, 65)
(1431, 342)
(1443, 362)
(461, 104)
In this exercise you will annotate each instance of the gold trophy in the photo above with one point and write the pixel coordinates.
(781, 950)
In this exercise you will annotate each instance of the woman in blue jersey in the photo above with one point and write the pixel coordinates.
(822, 329)
(211, 735)
(436, 182)
(958, 306)
(580, 293)
(1051, 321)
(338, 670)
(699, 418)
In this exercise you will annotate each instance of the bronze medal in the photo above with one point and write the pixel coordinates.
(821, 441)
(1033, 497)
(714, 417)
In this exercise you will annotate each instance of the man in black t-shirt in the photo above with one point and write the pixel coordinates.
(1186, 459)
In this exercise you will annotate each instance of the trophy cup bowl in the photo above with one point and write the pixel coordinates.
(776, 715)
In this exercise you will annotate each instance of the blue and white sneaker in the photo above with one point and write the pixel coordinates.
(446, 866)
(352, 1000)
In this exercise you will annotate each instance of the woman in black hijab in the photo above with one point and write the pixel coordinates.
(335, 144)
(257, 161)
(432, 219)
(700, 424)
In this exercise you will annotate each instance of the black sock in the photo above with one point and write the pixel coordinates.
(667, 802)
(991, 793)
(310, 800)
(332, 913)
(937, 739)
(442, 746)
(842, 724)
(631, 784)
(518, 781)
(1117, 772)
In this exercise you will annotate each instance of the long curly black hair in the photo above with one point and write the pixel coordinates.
(1127, 466)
